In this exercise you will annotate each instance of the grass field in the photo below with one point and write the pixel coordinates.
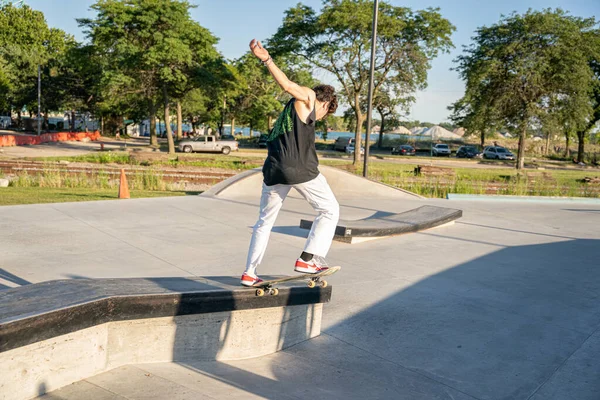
(505, 181)
(37, 195)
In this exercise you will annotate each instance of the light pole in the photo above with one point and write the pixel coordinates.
(39, 123)
(371, 83)
(223, 116)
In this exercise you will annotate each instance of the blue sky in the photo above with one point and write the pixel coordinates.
(235, 22)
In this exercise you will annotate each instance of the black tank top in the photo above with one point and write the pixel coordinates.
(292, 157)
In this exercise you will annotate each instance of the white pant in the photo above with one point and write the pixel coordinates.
(318, 193)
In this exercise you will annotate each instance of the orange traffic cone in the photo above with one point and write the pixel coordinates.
(123, 189)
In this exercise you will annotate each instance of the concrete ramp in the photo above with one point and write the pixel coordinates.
(344, 184)
(382, 224)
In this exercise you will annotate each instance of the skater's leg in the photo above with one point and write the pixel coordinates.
(318, 193)
(270, 203)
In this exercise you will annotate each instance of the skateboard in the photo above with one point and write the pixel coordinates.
(313, 280)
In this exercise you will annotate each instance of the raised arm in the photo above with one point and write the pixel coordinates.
(300, 93)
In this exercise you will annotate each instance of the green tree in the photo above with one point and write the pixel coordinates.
(475, 116)
(194, 107)
(151, 48)
(4, 87)
(594, 99)
(26, 42)
(390, 105)
(338, 40)
(514, 67)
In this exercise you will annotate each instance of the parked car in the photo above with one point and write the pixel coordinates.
(208, 143)
(467, 152)
(497, 152)
(342, 143)
(262, 141)
(350, 149)
(441, 150)
(404, 150)
(227, 137)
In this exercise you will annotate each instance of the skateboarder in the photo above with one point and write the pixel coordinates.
(292, 163)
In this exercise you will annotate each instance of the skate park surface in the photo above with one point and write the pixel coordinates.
(503, 304)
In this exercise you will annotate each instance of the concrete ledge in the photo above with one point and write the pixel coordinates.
(59, 332)
(382, 225)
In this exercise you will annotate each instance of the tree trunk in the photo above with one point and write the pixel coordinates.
(122, 127)
(102, 125)
(547, 144)
(168, 122)
(521, 153)
(380, 139)
(70, 123)
(482, 139)
(73, 118)
(194, 123)
(581, 147)
(233, 126)
(357, 131)
(567, 150)
(152, 118)
(179, 122)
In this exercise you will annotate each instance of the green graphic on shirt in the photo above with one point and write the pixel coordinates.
(283, 124)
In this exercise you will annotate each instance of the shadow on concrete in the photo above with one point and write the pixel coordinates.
(7, 276)
(74, 276)
(508, 325)
(581, 210)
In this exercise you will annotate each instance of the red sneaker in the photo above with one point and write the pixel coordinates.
(309, 267)
(249, 280)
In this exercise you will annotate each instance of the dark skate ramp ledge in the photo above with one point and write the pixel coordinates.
(41, 311)
(59, 332)
(388, 224)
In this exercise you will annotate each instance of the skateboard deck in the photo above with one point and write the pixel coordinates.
(313, 280)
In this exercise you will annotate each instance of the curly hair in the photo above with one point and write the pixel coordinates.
(326, 94)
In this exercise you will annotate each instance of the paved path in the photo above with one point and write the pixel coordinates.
(504, 304)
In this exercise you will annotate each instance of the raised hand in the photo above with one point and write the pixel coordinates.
(258, 50)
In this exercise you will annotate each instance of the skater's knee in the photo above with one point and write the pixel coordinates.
(332, 211)
(336, 209)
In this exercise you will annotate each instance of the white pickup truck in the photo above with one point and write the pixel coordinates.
(208, 143)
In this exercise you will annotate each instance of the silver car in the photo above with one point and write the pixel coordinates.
(441, 150)
(209, 144)
(497, 152)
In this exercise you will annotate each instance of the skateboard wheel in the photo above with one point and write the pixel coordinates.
(274, 292)
(260, 292)
(323, 283)
(311, 284)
